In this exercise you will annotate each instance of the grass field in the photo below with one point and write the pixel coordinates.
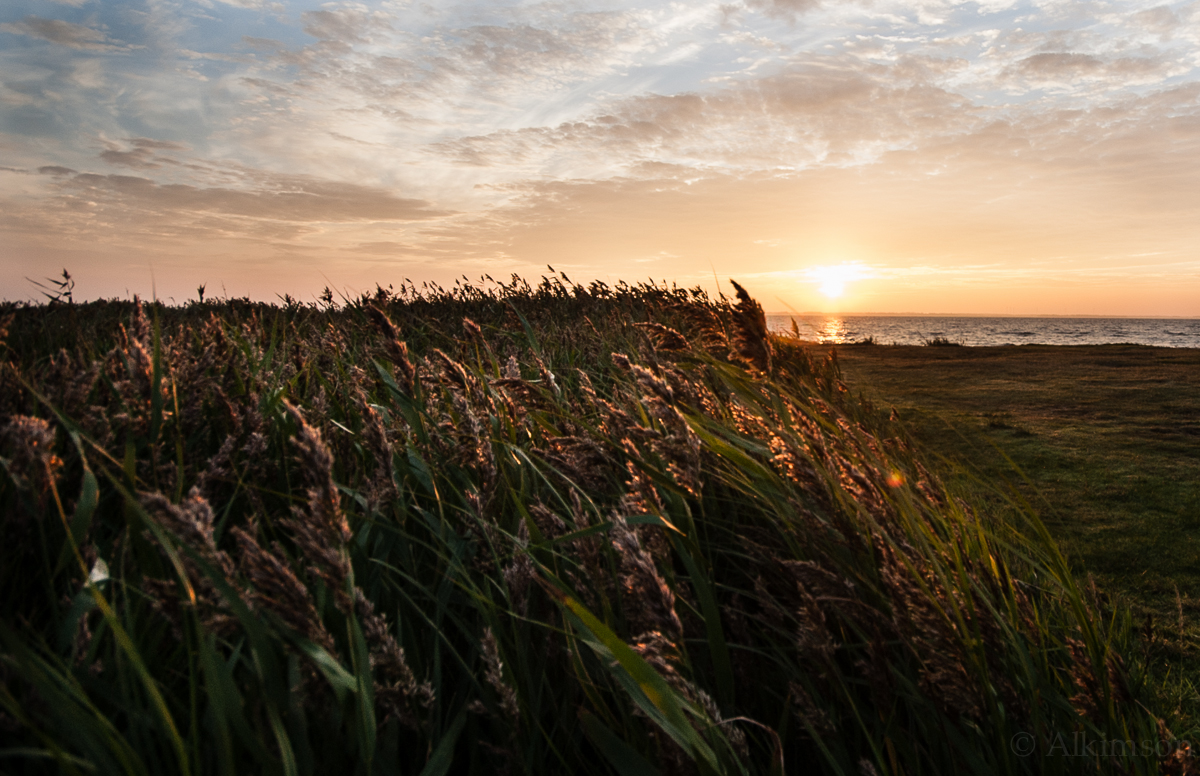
(506, 528)
(1102, 441)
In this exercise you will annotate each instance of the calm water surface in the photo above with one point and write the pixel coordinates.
(889, 330)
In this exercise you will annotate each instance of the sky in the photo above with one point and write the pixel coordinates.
(930, 156)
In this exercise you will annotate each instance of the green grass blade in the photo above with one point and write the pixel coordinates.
(619, 754)
(443, 754)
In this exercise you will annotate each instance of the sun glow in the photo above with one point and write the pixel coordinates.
(833, 278)
(833, 288)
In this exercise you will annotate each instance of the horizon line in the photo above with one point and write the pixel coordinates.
(984, 315)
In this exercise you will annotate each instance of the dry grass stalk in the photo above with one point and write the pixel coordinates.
(641, 497)
(811, 716)
(29, 444)
(751, 340)
(548, 522)
(321, 533)
(580, 459)
(932, 638)
(5, 325)
(320, 530)
(593, 579)
(396, 687)
(494, 673)
(664, 337)
(397, 348)
(72, 380)
(1176, 758)
(1090, 700)
(275, 588)
(679, 447)
(649, 604)
(452, 373)
(520, 573)
(474, 447)
(663, 655)
(549, 381)
(192, 522)
(474, 332)
(380, 487)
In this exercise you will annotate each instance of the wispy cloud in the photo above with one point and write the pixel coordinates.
(279, 198)
(76, 36)
(144, 154)
(788, 9)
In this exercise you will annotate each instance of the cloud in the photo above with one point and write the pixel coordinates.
(268, 45)
(143, 156)
(298, 199)
(254, 4)
(344, 26)
(452, 72)
(251, 225)
(15, 97)
(210, 56)
(138, 158)
(787, 9)
(579, 44)
(1161, 19)
(830, 111)
(1059, 67)
(1113, 56)
(507, 50)
(385, 248)
(166, 145)
(63, 33)
(53, 169)
(370, 81)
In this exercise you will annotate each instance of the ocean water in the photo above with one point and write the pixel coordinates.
(915, 330)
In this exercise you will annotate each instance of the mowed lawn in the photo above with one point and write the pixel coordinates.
(1102, 441)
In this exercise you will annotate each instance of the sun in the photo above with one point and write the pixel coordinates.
(833, 278)
(833, 288)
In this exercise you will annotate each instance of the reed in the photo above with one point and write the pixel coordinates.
(511, 528)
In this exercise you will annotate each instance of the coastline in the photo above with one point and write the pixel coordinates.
(988, 331)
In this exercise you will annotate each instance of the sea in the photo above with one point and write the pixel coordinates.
(973, 330)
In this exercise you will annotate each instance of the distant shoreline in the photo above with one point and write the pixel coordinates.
(984, 315)
(1005, 346)
(979, 330)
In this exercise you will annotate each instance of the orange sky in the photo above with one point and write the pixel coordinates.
(1014, 157)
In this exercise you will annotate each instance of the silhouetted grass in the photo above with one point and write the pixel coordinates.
(940, 342)
(548, 529)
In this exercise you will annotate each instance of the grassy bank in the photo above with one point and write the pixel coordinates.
(1100, 440)
(545, 530)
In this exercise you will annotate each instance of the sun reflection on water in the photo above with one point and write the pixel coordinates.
(833, 332)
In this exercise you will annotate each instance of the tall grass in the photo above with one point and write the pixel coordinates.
(503, 528)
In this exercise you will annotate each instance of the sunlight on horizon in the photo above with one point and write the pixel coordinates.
(834, 278)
